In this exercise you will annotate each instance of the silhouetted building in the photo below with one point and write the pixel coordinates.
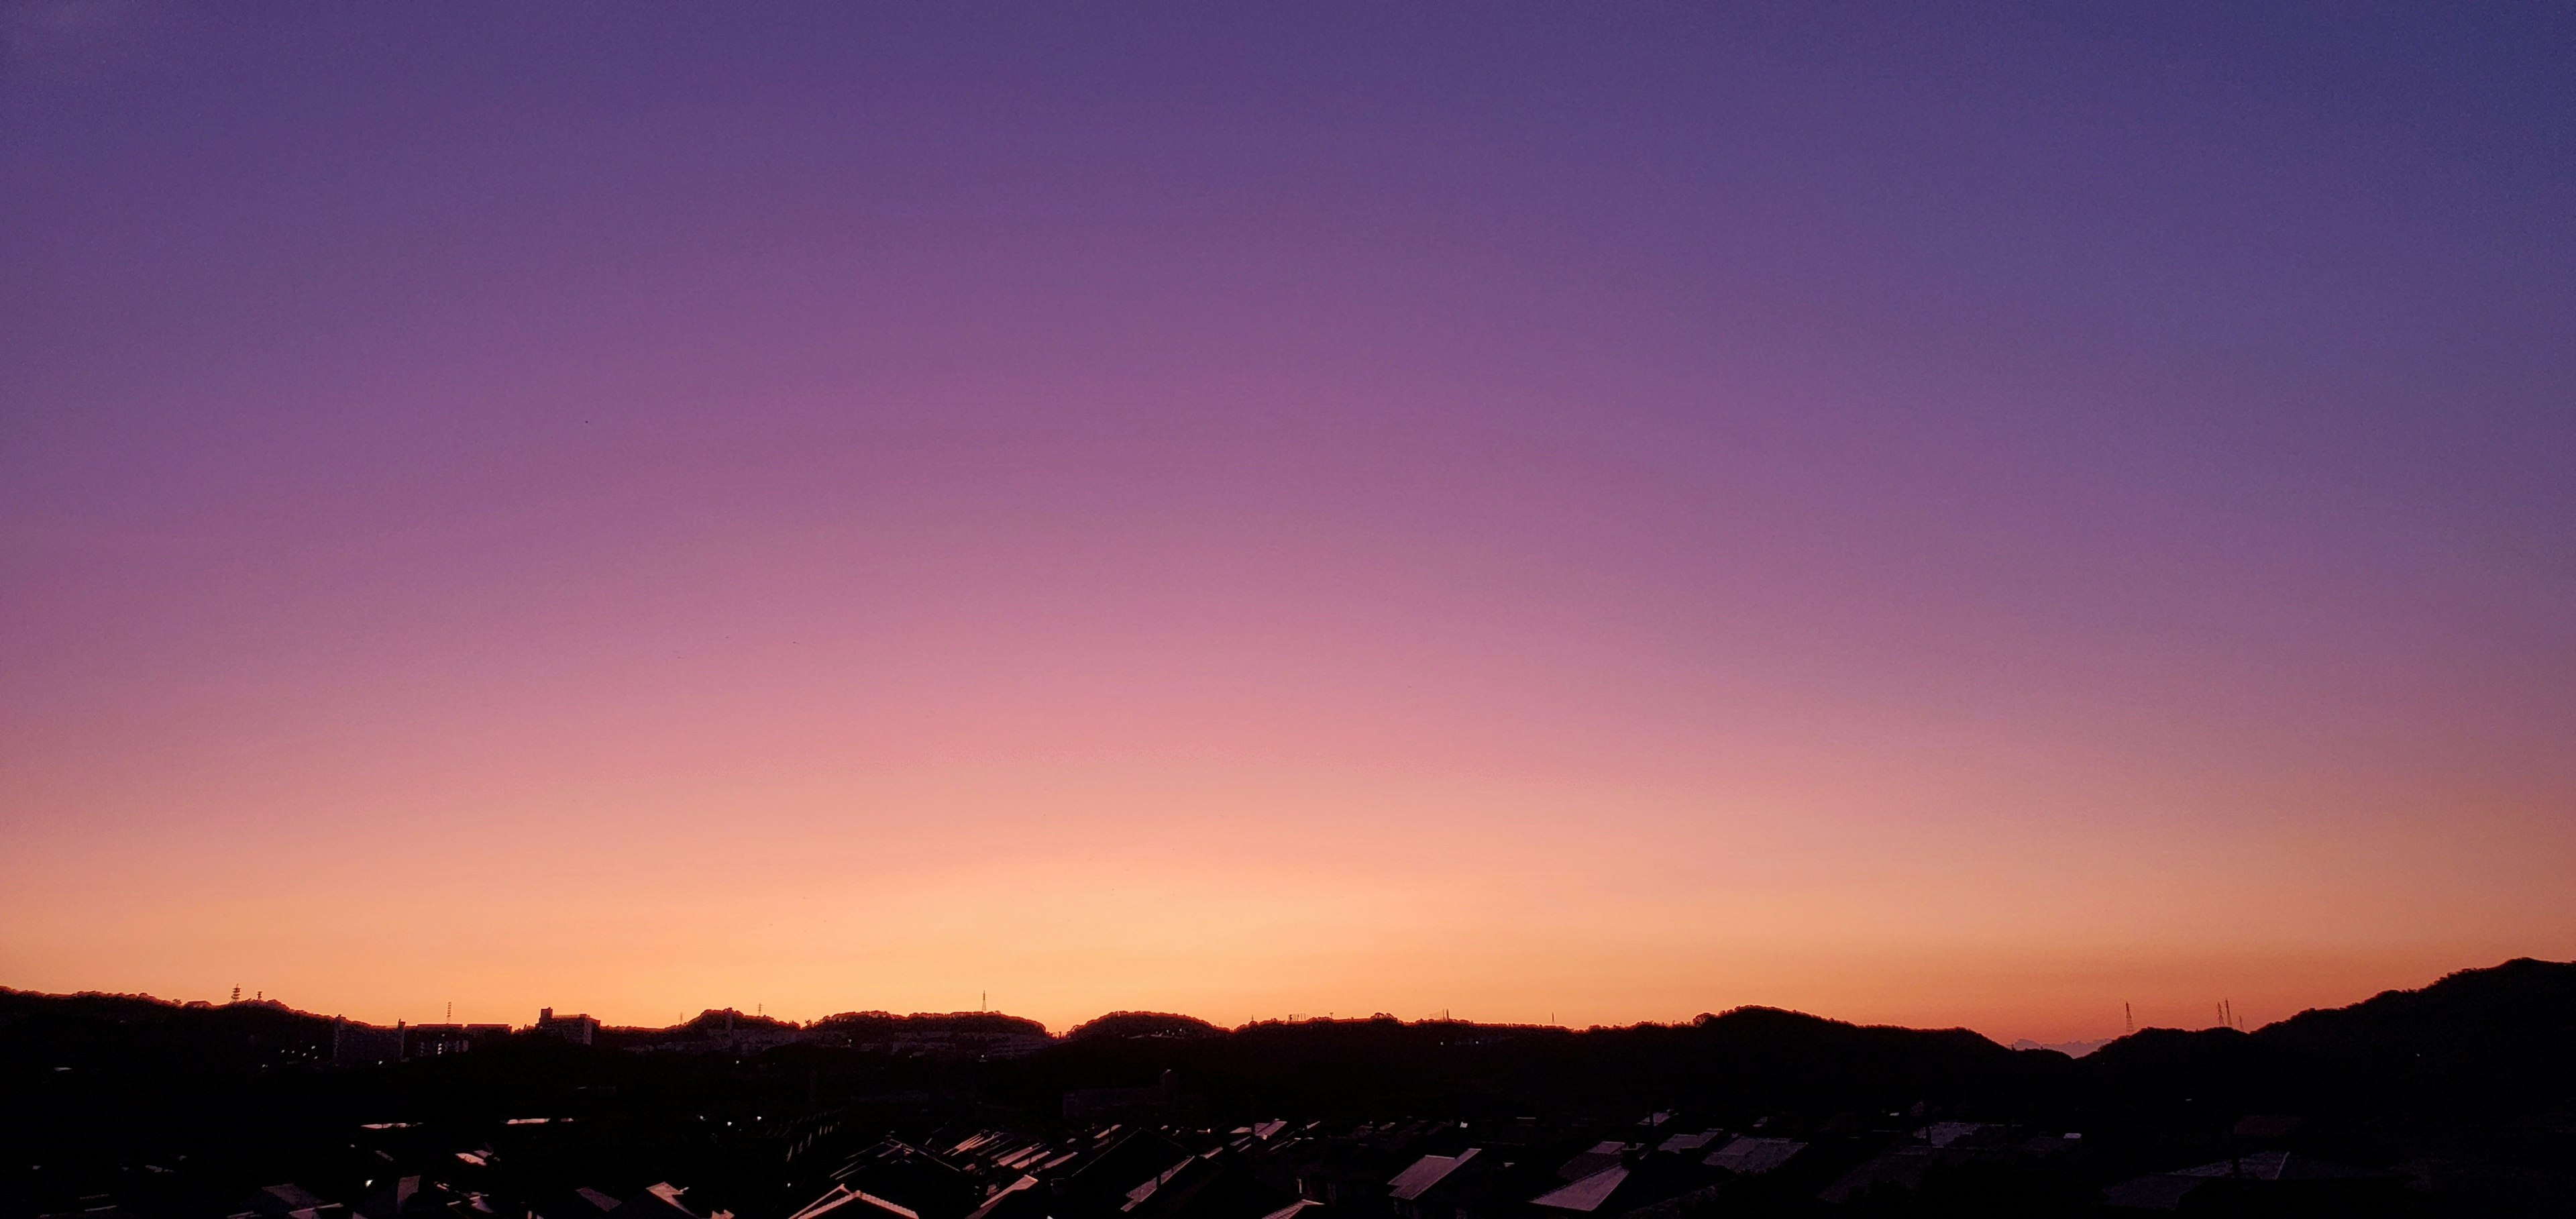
(354, 1044)
(433, 1040)
(579, 1030)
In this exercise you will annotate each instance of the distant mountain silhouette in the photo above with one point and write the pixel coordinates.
(2479, 1038)
(143, 1033)
(2494, 1035)
(2522, 1007)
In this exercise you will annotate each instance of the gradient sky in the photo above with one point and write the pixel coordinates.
(1593, 513)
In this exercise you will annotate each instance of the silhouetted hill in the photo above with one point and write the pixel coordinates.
(138, 1032)
(2524, 1008)
(715, 1018)
(2475, 1040)
(1143, 1024)
(982, 1023)
(1756, 1056)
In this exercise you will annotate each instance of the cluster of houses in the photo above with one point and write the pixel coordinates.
(1663, 1166)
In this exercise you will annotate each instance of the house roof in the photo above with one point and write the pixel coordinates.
(843, 1199)
(1602, 1155)
(1752, 1156)
(1293, 1209)
(658, 1201)
(1024, 1182)
(1585, 1195)
(1426, 1173)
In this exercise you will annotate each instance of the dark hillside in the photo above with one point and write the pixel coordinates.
(2478, 1040)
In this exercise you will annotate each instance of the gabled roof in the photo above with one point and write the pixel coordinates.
(847, 1203)
(1006, 1199)
(1587, 1195)
(1425, 1174)
(1602, 1155)
(658, 1201)
(1139, 1194)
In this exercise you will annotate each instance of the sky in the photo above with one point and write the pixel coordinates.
(1944, 515)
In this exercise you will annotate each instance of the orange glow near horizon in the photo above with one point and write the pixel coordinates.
(1310, 893)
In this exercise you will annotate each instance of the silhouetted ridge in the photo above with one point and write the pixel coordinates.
(1144, 1024)
(2522, 999)
(2477, 1039)
(139, 1032)
(991, 1023)
(1784, 1025)
(715, 1018)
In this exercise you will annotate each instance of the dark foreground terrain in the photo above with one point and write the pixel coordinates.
(2458, 1099)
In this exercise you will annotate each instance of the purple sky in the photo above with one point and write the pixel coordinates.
(2077, 501)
